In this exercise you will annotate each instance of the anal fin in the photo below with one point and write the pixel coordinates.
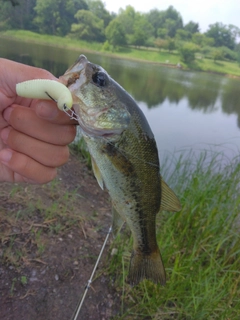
(169, 200)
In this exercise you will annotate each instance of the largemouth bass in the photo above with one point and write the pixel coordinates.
(124, 160)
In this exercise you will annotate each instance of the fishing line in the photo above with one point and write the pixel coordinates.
(72, 114)
(79, 306)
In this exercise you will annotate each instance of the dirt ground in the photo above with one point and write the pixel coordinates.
(50, 237)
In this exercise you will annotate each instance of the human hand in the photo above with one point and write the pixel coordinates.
(34, 134)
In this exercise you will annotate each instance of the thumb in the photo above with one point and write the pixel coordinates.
(13, 72)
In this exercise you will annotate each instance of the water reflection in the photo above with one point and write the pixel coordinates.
(146, 82)
(153, 85)
(231, 99)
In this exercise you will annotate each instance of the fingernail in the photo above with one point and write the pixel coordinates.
(7, 113)
(5, 155)
(5, 134)
(47, 111)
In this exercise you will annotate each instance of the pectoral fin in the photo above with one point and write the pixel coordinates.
(117, 222)
(169, 200)
(97, 174)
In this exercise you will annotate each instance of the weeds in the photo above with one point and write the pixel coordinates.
(200, 248)
(23, 280)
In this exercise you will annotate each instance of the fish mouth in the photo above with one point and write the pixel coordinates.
(75, 77)
(73, 73)
(78, 65)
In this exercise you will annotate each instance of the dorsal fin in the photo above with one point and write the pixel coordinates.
(169, 200)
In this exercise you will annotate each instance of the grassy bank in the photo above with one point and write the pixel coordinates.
(160, 57)
(200, 245)
(200, 248)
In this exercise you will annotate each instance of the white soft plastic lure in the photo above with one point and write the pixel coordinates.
(46, 89)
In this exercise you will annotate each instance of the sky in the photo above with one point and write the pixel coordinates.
(205, 12)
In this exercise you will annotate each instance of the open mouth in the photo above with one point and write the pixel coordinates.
(78, 65)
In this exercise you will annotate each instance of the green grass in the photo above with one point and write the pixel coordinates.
(155, 56)
(52, 40)
(225, 67)
(200, 247)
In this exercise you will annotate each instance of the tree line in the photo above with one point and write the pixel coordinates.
(89, 20)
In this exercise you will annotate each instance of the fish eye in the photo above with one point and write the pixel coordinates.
(100, 78)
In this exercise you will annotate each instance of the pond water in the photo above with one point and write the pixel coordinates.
(186, 110)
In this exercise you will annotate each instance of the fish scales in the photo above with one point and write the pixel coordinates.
(125, 160)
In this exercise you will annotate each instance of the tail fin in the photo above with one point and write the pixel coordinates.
(149, 267)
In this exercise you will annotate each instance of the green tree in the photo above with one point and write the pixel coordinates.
(167, 44)
(201, 40)
(197, 38)
(97, 7)
(217, 54)
(156, 18)
(56, 16)
(228, 53)
(207, 51)
(115, 33)
(18, 16)
(237, 50)
(192, 27)
(235, 31)
(169, 19)
(223, 35)
(142, 30)
(170, 25)
(187, 52)
(138, 31)
(88, 27)
(173, 21)
(69, 10)
(48, 17)
(13, 2)
(127, 18)
(183, 35)
(162, 33)
(171, 44)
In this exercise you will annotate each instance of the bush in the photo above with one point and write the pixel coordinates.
(106, 46)
(217, 54)
(222, 53)
(161, 43)
(187, 51)
(207, 52)
(228, 53)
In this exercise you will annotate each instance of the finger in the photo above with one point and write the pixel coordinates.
(49, 111)
(26, 121)
(44, 153)
(22, 168)
(23, 73)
